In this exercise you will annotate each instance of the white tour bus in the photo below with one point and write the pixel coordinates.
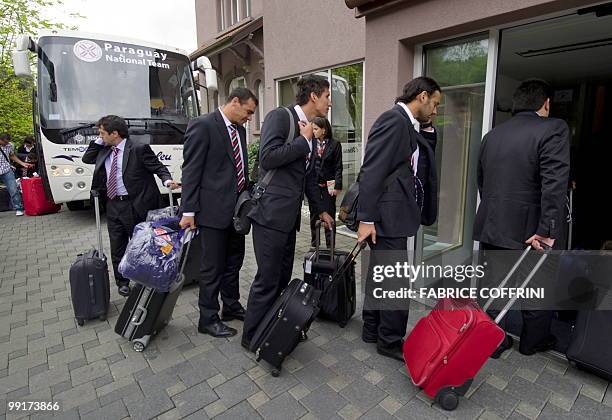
(82, 77)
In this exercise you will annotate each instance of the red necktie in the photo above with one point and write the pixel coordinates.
(111, 179)
(237, 158)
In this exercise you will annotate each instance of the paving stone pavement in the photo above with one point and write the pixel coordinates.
(93, 373)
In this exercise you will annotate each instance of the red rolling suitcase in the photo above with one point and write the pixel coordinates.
(447, 348)
(35, 201)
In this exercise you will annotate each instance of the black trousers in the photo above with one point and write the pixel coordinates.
(388, 326)
(274, 252)
(222, 258)
(314, 216)
(536, 324)
(121, 218)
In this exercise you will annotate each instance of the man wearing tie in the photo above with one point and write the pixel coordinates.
(277, 216)
(124, 170)
(394, 198)
(215, 172)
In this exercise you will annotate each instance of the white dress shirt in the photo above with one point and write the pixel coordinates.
(121, 190)
(302, 117)
(414, 159)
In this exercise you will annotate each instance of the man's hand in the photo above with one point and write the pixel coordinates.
(333, 193)
(366, 230)
(187, 222)
(173, 185)
(536, 242)
(327, 220)
(305, 130)
(27, 165)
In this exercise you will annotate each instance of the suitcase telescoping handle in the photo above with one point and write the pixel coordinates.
(96, 196)
(347, 263)
(332, 244)
(171, 198)
(532, 273)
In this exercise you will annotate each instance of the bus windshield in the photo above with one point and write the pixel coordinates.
(81, 80)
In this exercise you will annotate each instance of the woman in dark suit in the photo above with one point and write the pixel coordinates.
(328, 165)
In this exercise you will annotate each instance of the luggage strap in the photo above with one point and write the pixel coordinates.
(342, 270)
(532, 273)
(332, 244)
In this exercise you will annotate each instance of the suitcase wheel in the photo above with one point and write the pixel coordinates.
(275, 372)
(80, 321)
(342, 324)
(138, 346)
(102, 317)
(448, 399)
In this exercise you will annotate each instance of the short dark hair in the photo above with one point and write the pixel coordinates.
(531, 95)
(29, 139)
(310, 84)
(5, 137)
(323, 123)
(416, 86)
(243, 94)
(112, 123)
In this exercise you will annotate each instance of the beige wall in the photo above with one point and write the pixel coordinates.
(207, 13)
(301, 36)
(206, 19)
(390, 37)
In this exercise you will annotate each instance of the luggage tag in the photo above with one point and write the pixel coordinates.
(308, 265)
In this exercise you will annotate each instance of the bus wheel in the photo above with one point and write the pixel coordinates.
(75, 205)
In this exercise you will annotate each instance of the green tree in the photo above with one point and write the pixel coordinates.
(19, 17)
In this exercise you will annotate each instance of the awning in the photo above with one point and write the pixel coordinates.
(364, 7)
(233, 35)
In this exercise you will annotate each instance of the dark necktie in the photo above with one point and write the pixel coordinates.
(111, 179)
(240, 177)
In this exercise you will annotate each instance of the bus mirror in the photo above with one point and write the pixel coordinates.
(24, 42)
(211, 80)
(21, 64)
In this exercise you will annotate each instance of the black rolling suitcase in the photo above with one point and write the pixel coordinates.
(147, 310)
(289, 319)
(591, 345)
(339, 302)
(89, 283)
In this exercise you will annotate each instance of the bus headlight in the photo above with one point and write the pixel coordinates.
(55, 172)
(81, 185)
(68, 185)
(67, 171)
(79, 171)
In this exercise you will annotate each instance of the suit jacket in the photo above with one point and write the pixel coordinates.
(138, 167)
(331, 164)
(279, 207)
(523, 173)
(394, 208)
(209, 171)
(428, 175)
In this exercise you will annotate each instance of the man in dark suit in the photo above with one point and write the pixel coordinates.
(277, 217)
(523, 173)
(124, 174)
(393, 199)
(215, 172)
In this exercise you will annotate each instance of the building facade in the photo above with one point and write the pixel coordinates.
(477, 50)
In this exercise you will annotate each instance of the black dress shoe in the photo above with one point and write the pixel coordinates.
(392, 352)
(549, 343)
(124, 290)
(230, 315)
(217, 329)
(505, 345)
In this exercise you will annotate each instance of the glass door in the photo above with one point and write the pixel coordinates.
(460, 67)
